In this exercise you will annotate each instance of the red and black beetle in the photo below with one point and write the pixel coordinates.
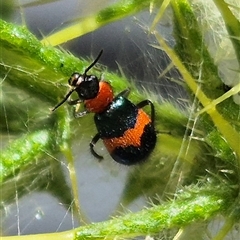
(126, 130)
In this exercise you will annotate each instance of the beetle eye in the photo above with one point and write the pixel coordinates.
(73, 80)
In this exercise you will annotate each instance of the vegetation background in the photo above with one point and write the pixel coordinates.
(183, 55)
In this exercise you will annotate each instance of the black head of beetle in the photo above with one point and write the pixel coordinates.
(86, 86)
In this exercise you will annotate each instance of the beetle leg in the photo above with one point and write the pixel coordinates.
(145, 103)
(92, 144)
(80, 114)
(77, 114)
(74, 102)
(124, 93)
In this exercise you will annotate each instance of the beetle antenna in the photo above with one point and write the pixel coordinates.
(64, 100)
(93, 63)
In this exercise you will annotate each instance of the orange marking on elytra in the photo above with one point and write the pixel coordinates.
(131, 136)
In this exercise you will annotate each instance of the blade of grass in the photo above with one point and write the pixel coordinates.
(113, 13)
(229, 133)
(23, 151)
(232, 25)
(196, 204)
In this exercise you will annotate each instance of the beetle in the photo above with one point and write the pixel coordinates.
(128, 132)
